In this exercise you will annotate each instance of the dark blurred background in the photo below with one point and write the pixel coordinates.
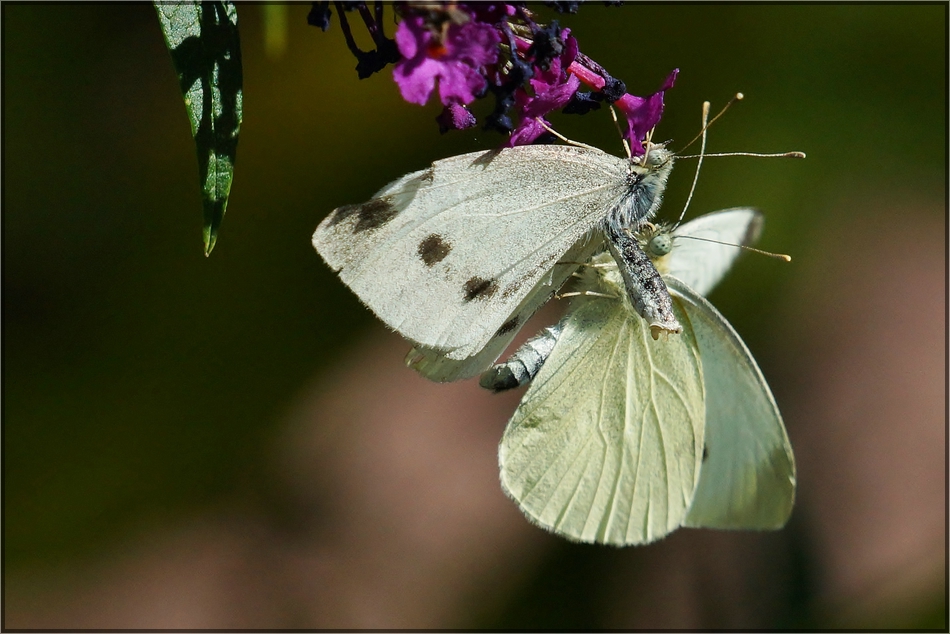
(234, 441)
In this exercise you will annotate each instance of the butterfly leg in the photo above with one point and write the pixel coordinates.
(583, 294)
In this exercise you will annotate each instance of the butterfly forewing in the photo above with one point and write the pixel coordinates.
(435, 365)
(446, 256)
(700, 263)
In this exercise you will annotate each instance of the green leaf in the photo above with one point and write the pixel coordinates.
(206, 51)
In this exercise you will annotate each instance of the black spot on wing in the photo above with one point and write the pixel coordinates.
(369, 215)
(513, 288)
(433, 249)
(427, 176)
(479, 288)
(508, 326)
(705, 453)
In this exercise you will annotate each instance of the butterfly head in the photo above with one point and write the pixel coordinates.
(655, 156)
(656, 240)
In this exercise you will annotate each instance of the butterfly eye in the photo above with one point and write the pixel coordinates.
(660, 245)
(656, 156)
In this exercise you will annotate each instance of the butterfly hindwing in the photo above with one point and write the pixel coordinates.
(748, 476)
(607, 443)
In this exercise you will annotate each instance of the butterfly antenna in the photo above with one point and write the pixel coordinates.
(562, 137)
(778, 256)
(623, 139)
(699, 163)
(757, 154)
(739, 97)
(702, 134)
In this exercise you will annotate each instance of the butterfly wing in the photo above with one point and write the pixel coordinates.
(606, 444)
(747, 479)
(702, 264)
(446, 256)
(436, 365)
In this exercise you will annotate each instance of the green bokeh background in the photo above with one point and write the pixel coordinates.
(141, 379)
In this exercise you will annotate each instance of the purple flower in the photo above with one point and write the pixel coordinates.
(490, 12)
(643, 113)
(548, 97)
(457, 46)
(533, 109)
(553, 89)
(529, 128)
(455, 116)
(454, 60)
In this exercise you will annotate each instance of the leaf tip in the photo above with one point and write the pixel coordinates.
(210, 238)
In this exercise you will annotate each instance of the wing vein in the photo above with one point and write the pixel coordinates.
(604, 524)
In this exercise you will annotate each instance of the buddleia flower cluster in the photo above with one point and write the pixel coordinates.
(465, 51)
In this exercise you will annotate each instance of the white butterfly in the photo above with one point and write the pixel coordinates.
(458, 256)
(621, 439)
